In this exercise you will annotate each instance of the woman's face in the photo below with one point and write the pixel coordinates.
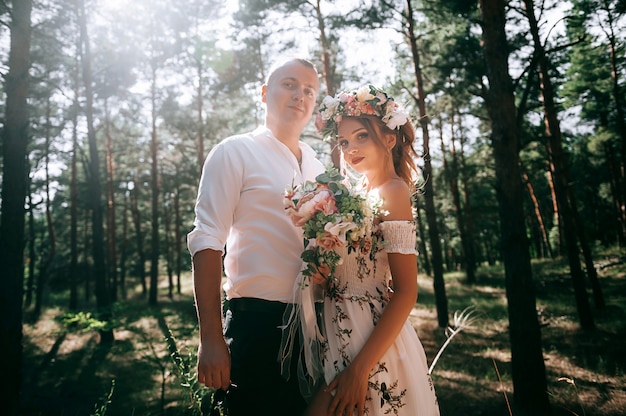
(360, 151)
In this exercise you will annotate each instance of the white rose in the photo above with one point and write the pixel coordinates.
(339, 229)
(331, 104)
(397, 118)
(363, 94)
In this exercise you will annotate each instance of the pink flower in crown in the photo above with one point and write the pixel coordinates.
(346, 97)
(366, 108)
(352, 108)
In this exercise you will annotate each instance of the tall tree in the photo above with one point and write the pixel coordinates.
(103, 297)
(559, 169)
(12, 216)
(606, 14)
(528, 367)
(48, 250)
(538, 216)
(441, 299)
(154, 187)
(73, 271)
(452, 171)
(599, 89)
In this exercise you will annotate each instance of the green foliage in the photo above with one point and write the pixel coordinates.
(85, 322)
(101, 408)
(199, 396)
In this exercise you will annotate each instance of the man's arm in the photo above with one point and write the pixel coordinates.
(213, 354)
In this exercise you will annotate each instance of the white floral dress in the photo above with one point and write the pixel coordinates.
(400, 383)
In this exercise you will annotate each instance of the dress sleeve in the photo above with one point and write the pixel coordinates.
(399, 236)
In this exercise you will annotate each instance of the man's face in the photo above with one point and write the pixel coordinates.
(290, 95)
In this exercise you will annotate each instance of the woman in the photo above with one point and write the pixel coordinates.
(372, 359)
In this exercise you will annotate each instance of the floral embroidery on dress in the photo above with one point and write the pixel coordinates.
(339, 293)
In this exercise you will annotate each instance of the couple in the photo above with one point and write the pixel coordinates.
(373, 361)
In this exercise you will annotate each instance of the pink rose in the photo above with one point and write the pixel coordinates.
(309, 205)
(346, 97)
(329, 242)
(327, 205)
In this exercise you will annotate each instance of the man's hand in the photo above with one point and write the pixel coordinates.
(214, 365)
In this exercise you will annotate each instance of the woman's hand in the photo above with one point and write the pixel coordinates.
(321, 277)
(350, 387)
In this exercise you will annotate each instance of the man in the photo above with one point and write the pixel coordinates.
(239, 206)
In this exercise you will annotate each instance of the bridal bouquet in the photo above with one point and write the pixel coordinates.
(331, 215)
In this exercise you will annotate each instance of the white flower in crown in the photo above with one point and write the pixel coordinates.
(396, 116)
(330, 105)
(363, 94)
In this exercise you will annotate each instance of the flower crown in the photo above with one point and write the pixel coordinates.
(367, 100)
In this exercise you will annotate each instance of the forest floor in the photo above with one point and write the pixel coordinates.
(67, 372)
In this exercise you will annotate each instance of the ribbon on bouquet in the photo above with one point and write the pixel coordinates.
(301, 320)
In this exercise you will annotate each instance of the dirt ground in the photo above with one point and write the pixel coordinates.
(69, 373)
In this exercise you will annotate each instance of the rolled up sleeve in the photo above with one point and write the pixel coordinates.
(218, 194)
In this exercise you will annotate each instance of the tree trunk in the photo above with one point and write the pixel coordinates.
(111, 240)
(32, 254)
(137, 220)
(528, 367)
(614, 185)
(468, 217)
(124, 245)
(48, 246)
(154, 182)
(74, 219)
(592, 274)
(200, 119)
(452, 175)
(422, 239)
(441, 299)
(98, 249)
(12, 215)
(618, 96)
(178, 238)
(73, 277)
(86, 250)
(328, 74)
(558, 166)
(538, 215)
(556, 217)
(169, 246)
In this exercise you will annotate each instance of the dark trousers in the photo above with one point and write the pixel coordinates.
(253, 335)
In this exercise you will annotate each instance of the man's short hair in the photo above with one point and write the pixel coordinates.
(284, 62)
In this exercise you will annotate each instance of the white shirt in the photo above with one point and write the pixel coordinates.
(240, 206)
